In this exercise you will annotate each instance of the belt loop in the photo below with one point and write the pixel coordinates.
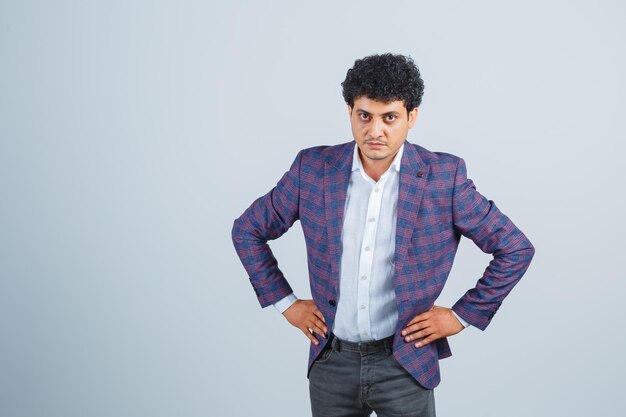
(335, 343)
(389, 346)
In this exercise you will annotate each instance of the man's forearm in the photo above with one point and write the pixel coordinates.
(268, 218)
(493, 232)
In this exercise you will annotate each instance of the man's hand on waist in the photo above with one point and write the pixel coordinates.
(436, 323)
(305, 315)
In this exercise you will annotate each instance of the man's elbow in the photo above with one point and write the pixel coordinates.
(529, 247)
(237, 232)
(531, 252)
(521, 252)
(526, 252)
(244, 231)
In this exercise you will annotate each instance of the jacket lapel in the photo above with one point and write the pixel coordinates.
(337, 170)
(413, 179)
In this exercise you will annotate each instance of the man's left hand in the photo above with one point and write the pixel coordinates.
(431, 325)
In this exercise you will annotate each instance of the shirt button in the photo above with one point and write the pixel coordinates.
(364, 277)
(367, 248)
(371, 219)
(364, 333)
(362, 306)
(376, 189)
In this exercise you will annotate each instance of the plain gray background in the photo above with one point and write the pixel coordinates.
(133, 133)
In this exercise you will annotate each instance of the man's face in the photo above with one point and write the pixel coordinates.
(379, 129)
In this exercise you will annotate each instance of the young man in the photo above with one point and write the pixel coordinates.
(382, 219)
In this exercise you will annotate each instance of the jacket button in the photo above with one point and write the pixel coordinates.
(420, 174)
(332, 302)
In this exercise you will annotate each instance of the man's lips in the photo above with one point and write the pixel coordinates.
(375, 144)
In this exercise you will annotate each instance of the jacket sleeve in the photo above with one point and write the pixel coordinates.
(480, 220)
(268, 218)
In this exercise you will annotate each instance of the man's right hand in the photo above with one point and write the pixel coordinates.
(305, 315)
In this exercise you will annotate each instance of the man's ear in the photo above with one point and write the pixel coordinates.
(350, 110)
(412, 117)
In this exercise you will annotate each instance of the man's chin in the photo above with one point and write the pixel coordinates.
(376, 156)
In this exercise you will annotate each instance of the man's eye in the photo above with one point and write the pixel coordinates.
(364, 116)
(391, 117)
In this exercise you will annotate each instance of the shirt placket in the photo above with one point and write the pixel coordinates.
(366, 259)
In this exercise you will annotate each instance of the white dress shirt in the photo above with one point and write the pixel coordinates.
(366, 309)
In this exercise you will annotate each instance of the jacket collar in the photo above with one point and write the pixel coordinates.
(341, 156)
(410, 159)
(412, 162)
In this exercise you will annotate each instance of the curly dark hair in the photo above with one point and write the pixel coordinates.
(385, 77)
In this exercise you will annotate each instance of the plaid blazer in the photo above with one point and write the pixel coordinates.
(437, 204)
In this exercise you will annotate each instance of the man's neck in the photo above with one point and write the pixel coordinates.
(376, 168)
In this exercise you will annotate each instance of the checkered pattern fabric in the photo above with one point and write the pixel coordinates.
(437, 204)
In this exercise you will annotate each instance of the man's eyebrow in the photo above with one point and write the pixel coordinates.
(393, 112)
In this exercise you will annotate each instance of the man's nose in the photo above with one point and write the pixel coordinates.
(376, 128)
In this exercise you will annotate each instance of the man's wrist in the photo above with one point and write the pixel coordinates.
(286, 302)
(463, 322)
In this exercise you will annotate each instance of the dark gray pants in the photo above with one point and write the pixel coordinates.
(354, 379)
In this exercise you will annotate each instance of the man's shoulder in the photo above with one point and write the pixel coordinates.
(334, 154)
(437, 160)
(327, 150)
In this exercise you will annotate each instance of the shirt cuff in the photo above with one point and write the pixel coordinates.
(285, 303)
(463, 322)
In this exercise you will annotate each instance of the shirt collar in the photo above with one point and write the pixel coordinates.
(358, 165)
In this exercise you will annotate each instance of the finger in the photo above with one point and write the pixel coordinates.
(420, 317)
(308, 334)
(416, 327)
(426, 341)
(414, 320)
(319, 323)
(320, 316)
(317, 329)
(314, 323)
(418, 335)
